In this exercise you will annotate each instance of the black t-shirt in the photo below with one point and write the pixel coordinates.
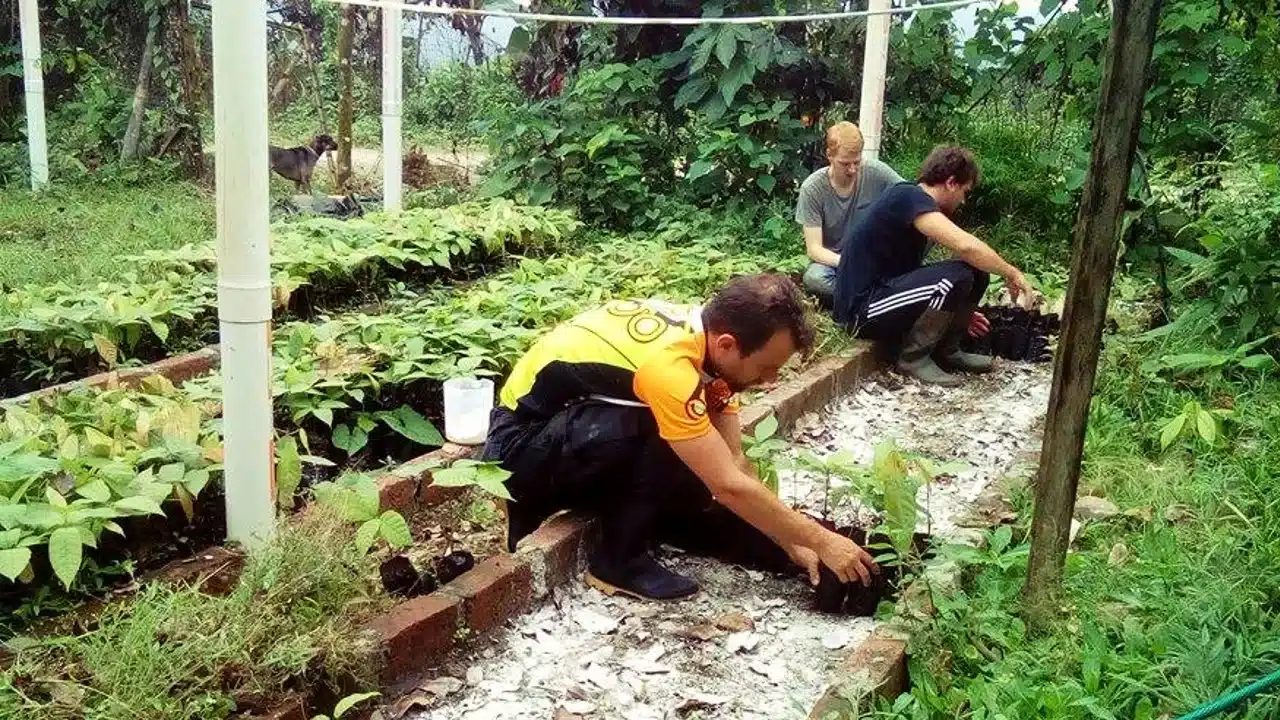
(881, 246)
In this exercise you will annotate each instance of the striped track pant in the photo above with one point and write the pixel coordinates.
(896, 305)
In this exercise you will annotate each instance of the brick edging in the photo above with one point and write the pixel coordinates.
(812, 389)
(178, 369)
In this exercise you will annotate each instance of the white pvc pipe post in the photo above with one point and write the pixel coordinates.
(875, 60)
(392, 89)
(33, 83)
(244, 266)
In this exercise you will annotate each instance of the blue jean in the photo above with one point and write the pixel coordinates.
(820, 280)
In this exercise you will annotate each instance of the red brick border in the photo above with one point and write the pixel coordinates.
(418, 634)
(423, 628)
(812, 389)
(408, 487)
(178, 369)
(876, 667)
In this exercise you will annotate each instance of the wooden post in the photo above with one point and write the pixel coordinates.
(1097, 234)
(191, 86)
(141, 92)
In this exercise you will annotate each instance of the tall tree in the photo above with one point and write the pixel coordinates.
(141, 93)
(346, 108)
(182, 46)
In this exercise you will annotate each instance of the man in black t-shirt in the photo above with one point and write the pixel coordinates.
(882, 290)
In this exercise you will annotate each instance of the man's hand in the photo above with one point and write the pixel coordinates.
(979, 325)
(848, 561)
(807, 559)
(1018, 285)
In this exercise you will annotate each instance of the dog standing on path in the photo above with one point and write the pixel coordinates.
(297, 163)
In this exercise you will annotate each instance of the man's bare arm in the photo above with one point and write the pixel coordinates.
(710, 459)
(814, 248)
(938, 227)
(730, 429)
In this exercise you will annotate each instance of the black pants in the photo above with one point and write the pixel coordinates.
(895, 306)
(609, 461)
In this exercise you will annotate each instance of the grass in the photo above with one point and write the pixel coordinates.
(295, 615)
(80, 232)
(1168, 605)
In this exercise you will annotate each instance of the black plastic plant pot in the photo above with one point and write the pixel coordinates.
(399, 577)
(454, 564)
(829, 597)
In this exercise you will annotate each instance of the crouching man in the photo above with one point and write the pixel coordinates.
(832, 200)
(920, 312)
(628, 412)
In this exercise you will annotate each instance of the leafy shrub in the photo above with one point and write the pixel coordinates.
(449, 101)
(602, 147)
(50, 332)
(1234, 277)
(73, 464)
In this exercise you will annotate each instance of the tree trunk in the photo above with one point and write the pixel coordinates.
(477, 46)
(1097, 232)
(346, 108)
(141, 92)
(286, 78)
(417, 47)
(183, 43)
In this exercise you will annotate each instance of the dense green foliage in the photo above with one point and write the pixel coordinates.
(692, 141)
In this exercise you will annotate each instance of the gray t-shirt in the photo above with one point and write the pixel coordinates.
(820, 205)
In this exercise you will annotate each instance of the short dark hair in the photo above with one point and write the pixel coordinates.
(752, 308)
(946, 162)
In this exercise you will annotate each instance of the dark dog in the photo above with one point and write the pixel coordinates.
(297, 163)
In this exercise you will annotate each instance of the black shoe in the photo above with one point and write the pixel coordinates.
(642, 578)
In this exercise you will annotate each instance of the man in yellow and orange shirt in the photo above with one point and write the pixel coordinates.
(629, 412)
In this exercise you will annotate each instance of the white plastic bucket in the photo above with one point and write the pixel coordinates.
(467, 402)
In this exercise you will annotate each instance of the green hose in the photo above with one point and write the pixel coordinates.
(1226, 702)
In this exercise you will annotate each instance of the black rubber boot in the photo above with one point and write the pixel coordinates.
(641, 578)
(950, 357)
(959, 361)
(915, 358)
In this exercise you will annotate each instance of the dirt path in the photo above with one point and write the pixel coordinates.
(366, 163)
(584, 655)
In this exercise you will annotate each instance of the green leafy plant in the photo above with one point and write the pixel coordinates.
(73, 464)
(1194, 421)
(488, 476)
(763, 450)
(346, 704)
(841, 464)
(354, 498)
(58, 330)
(602, 146)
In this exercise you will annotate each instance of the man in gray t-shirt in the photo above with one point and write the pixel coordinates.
(833, 199)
